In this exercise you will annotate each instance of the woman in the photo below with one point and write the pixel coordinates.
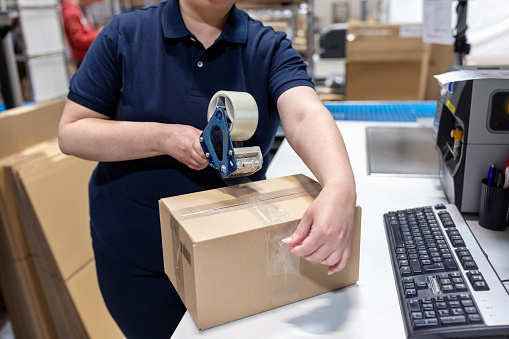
(138, 105)
(79, 30)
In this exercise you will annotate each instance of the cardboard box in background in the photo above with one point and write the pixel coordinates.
(440, 58)
(390, 62)
(224, 255)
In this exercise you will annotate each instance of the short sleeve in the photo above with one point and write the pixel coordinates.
(98, 81)
(288, 69)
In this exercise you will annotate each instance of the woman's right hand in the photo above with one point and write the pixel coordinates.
(183, 144)
(93, 136)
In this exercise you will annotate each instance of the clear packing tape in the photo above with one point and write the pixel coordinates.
(242, 113)
(281, 268)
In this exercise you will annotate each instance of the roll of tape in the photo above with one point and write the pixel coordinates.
(242, 113)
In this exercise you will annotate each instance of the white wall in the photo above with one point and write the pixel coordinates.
(487, 20)
(487, 32)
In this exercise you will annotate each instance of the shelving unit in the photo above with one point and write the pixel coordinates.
(289, 11)
(43, 54)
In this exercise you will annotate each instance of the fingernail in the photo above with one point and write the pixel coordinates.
(286, 240)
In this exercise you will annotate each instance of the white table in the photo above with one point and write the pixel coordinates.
(370, 308)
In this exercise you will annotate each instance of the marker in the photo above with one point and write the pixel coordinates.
(506, 172)
(491, 174)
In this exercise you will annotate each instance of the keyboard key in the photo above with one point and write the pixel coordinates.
(428, 307)
(481, 286)
(434, 268)
(415, 266)
(405, 270)
(458, 243)
(416, 315)
(457, 311)
(409, 285)
(450, 264)
(460, 287)
(470, 310)
(474, 318)
(421, 285)
(445, 281)
(396, 235)
(467, 303)
(414, 305)
(410, 292)
(424, 323)
(447, 288)
(430, 314)
(441, 305)
(453, 320)
(454, 304)
(443, 313)
(470, 265)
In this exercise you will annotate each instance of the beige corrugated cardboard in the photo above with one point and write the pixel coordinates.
(223, 251)
(23, 127)
(86, 295)
(47, 271)
(383, 63)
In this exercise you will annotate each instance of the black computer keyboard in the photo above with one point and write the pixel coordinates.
(447, 287)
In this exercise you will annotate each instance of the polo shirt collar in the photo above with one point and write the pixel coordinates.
(234, 31)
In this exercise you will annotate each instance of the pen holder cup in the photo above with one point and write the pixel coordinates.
(494, 207)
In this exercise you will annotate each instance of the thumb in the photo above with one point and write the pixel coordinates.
(301, 232)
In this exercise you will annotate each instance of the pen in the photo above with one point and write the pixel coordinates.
(506, 182)
(491, 173)
(499, 182)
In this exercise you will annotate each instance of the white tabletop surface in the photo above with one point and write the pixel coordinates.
(370, 308)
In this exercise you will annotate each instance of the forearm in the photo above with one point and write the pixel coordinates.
(87, 134)
(325, 231)
(108, 140)
(316, 139)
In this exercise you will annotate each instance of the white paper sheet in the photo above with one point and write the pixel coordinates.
(436, 22)
(455, 76)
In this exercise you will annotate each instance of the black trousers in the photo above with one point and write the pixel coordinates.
(144, 304)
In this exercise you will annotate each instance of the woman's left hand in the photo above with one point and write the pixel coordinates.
(325, 232)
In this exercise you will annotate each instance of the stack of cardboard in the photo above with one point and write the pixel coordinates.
(47, 268)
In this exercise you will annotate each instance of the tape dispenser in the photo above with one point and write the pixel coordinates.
(232, 118)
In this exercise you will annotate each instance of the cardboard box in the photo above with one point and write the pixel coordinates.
(223, 251)
(385, 62)
(440, 58)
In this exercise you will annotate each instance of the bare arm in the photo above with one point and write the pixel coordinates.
(325, 231)
(90, 135)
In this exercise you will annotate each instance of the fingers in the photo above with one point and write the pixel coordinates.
(299, 235)
(339, 265)
(184, 145)
(198, 157)
(323, 236)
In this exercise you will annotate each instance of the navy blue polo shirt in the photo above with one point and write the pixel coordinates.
(145, 65)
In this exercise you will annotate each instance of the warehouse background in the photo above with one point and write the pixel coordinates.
(40, 67)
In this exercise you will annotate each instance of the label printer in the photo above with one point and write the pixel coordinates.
(471, 132)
